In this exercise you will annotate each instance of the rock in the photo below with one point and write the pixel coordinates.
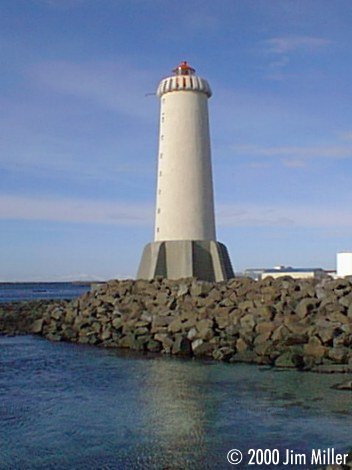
(295, 339)
(147, 317)
(57, 313)
(241, 345)
(280, 333)
(247, 322)
(346, 300)
(162, 298)
(215, 295)
(189, 316)
(289, 359)
(222, 321)
(182, 346)
(204, 329)
(349, 311)
(247, 356)
(326, 334)
(37, 325)
(332, 369)
(68, 333)
(54, 337)
(192, 333)
(262, 338)
(305, 306)
(166, 342)
(340, 339)
(265, 312)
(223, 354)
(141, 323)
(175, 326)
(160, 322)
(343, 386)
(141, 331)
(263, 349)
(201, 348)
(314, 348)
(127, 341)
(246, 305)
(182, 290)
(227, 302)
(200, 288)
(296, 328)
(154, 346)
(117, 323)
(338, 354)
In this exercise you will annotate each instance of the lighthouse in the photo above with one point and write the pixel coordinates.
(185, 237)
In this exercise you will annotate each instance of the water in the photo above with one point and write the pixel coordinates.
(66, 406)
(41, 290)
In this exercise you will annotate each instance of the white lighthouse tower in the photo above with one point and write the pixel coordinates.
(185, 239)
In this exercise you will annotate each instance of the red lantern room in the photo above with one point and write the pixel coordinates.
(184, 69)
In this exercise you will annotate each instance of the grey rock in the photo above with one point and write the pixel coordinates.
(37, 325)
(182, 346)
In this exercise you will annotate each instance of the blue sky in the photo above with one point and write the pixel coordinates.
(78, 135)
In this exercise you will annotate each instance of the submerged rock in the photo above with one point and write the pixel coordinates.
(343, 386)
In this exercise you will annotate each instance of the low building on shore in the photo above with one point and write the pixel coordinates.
(295, 273)
(254, 273)
(344, 264)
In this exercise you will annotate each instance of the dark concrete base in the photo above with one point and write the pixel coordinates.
(207, 260)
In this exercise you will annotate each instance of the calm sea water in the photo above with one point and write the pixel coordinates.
(66, 406)
(41, 290)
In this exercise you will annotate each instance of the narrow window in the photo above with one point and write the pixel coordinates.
(158, 211)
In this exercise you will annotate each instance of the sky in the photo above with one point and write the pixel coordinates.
(79, 129)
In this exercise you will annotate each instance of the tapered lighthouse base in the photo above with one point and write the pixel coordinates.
(207, 260)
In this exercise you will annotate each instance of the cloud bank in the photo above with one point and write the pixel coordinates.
(141, 214)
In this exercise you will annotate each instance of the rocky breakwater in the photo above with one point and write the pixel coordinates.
(24, 317)
(302, 324)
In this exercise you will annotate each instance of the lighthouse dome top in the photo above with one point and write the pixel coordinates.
(184, 79)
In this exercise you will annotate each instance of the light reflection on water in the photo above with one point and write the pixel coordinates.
(78, 407)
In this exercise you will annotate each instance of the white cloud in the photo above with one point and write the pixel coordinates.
(280, 50)
(74, 210)
(112, 85)
(346, 135)
(128, 214)
(286, 44)
(62, 4)
(259, 165)
(61, 167)
(260, 215)
(294, 163)
(295, 154)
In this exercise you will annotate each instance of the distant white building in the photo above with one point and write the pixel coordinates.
(344, 264)
(254, 273)
(295, 273)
